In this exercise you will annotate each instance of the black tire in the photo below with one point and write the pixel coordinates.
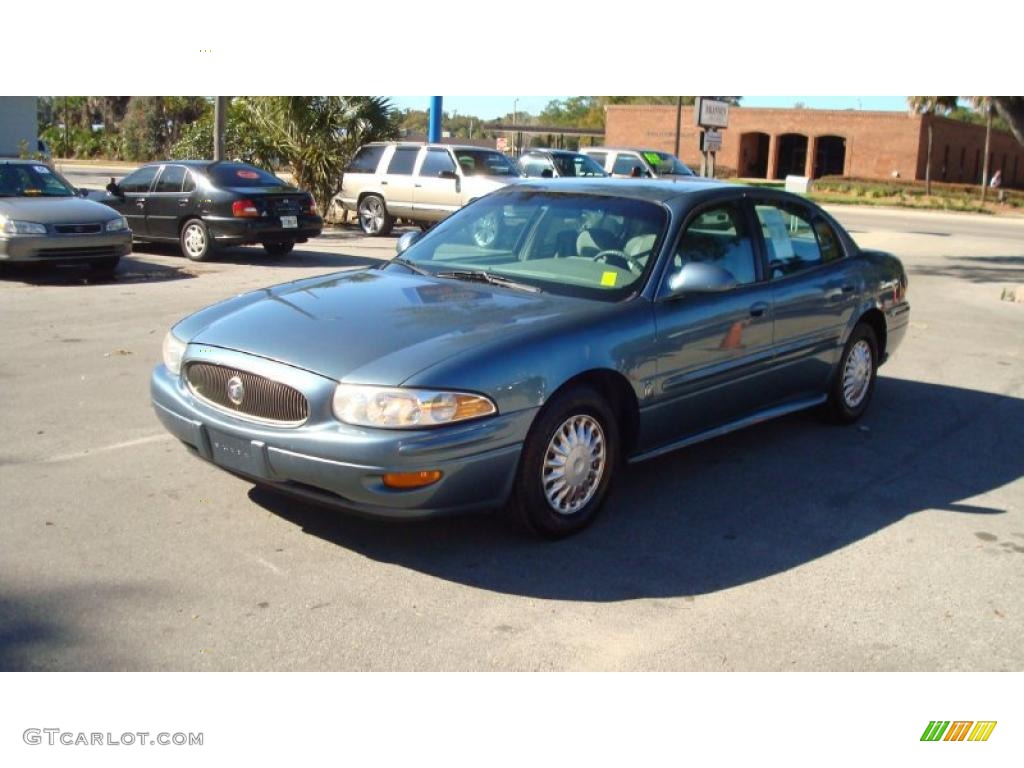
(278, 250)
(195, 241)
(373, 216)
(105, 266)
(847, 401)
(530, 505)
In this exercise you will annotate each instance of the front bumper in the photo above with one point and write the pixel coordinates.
(62, 248)
(340, 465)
(238, 231)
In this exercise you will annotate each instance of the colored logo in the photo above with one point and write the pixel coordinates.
(236, 390)
(958, 730)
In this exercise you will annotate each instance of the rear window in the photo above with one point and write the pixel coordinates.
(366, 160)
(242, 175)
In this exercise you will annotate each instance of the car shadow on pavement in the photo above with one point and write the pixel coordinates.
(977, 269)
(302, 256)
(128, 271)
(730, 511)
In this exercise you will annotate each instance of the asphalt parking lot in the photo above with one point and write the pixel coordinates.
(897, 544)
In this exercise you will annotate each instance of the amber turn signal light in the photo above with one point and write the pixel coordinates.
(408, 480)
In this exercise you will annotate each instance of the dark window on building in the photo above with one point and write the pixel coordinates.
(963, 157)
(945, 163)
(437, 162)
(977, 165)
(366, 160)
(171, 179)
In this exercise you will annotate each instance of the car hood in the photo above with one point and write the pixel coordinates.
(55, 210)
(377, 326)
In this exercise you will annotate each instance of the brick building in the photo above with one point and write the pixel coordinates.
(775, 143)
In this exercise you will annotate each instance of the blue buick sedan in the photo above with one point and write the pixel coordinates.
(605, 323)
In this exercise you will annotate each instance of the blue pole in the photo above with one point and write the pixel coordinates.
(434, 133)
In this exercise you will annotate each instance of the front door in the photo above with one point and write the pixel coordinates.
(712, 348)
(135, 191)
(814, 291)
(435, 195)
(398, 181)
(168, 203)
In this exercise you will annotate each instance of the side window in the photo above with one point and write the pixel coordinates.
(719, 236)
(598, 157)
(190, 182)
(624, 164)
(535, 166)
(140, 180)
(791, 240)
(403, 161)
(366, 160)
(831, 250)
(437, 162)
(171, 179)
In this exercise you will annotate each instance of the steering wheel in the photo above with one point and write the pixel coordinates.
(619, 259)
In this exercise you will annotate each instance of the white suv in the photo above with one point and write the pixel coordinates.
(422, 183)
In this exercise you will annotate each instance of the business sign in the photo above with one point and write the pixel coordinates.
(710, 140)
(711, 113)
(501, 144)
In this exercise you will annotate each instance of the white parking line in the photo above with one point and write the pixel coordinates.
(105, 448)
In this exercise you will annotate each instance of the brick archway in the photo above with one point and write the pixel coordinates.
(790, 155)
(829, 156)
(754, 154)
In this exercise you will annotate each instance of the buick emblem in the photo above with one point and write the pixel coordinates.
(236, 390)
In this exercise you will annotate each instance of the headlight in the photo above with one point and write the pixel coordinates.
(120, 224)
(406, 408)
(174, 350)
(14, 227)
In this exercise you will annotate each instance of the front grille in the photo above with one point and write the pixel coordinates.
(263, 398)
(98, 250)
(77, 229)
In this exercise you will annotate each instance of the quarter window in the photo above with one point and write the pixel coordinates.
(366, 160)
(794, 241)
(437, 162)
(403, 161)
(140, 180)
(171, 179)
(719, 236)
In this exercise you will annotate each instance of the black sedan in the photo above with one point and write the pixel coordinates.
(206, 205)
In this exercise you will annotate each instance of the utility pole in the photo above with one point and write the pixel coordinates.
(67, 149)
(679, 121)
(515, 105)
(988, 141)
(220, 119)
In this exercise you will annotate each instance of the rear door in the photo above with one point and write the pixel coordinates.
(814, 291)
(712, 348)
(436, 195)
(168, 203)
(135, 188)
(398, 181)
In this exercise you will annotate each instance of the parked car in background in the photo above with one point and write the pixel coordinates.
(204, 205)
(558, 163)
(422, 183)
(642, 163)
(620, 322)
(43, 218)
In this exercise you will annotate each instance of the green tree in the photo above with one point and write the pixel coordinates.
(144, 129)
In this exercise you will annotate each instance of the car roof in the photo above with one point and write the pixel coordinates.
(656, 190)
(623, 149)
(21, 161)
(549, 151)
(428, 144)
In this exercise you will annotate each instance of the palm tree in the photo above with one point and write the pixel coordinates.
(317, 135)
(984, 103)
(930, 105)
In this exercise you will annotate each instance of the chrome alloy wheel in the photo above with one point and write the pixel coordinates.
(857, 374)
(371, 215)
(194, 240)
(574, 464)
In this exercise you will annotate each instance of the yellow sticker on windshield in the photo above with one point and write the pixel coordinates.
(609, 278)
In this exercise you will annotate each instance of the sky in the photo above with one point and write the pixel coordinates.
(491, 107)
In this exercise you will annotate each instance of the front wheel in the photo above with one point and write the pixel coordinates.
(196, 243)
(854, 382)
(567, 464)
(374, 218)
(278, 250)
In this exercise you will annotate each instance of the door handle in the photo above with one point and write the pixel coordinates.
(183, 203)
(837, 294)
(140, 203)
(758, 309)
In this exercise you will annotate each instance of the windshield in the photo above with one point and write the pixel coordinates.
(483, 162)
(664, 163)
(242, 175)
(589, 246)
(577, 165)
(32, 180)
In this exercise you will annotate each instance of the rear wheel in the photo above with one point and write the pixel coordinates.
(196, 243)
(278, 250)
(567, 464)
(374, 218)
(855, 378)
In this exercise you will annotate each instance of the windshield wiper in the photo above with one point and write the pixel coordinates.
(480, 276)
(410, 265)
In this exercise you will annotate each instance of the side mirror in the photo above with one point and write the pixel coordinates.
(405, 242)
(701, 277)
(82, 192)
(448, 175)
(114, 189)
(547, 173)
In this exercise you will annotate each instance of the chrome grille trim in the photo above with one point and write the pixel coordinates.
(266, 401)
